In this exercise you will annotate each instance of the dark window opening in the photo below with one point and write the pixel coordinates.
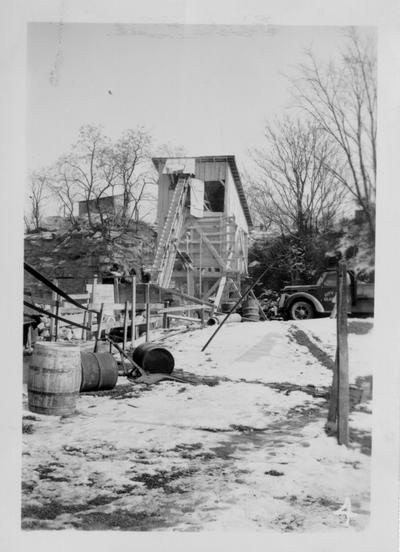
(214, 194)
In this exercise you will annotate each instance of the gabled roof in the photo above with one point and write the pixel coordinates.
(230, 159)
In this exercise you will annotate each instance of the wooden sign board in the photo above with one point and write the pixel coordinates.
(103, 293)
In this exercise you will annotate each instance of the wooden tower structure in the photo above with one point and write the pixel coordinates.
(203, 227)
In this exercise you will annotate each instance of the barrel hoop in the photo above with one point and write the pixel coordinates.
(51, 370)
(34, 392)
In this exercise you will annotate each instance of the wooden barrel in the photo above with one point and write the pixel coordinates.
(54, 378)
(99, 371)
(250, 311)
(154, 358)
(227, 306)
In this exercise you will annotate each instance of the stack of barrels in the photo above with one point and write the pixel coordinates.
(59, 371)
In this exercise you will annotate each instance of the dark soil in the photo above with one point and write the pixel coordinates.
(302, 339)
(122, 520)
(359, 327)
(162, 478)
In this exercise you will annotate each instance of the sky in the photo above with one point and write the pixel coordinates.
(206, 88)
(209, 89)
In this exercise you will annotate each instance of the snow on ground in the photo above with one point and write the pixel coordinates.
(242, 447)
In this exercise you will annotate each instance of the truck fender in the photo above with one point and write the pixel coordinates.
(308, 297)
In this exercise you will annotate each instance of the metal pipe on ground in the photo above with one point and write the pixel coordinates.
(217, 319)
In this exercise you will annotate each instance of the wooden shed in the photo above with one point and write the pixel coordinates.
(203, 226)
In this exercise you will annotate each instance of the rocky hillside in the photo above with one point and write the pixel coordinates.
(75, 255)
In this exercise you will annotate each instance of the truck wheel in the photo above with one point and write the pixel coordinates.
(301, 310)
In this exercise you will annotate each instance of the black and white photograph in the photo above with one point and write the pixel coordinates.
(202, 231)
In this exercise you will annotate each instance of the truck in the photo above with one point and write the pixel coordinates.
(301, 302)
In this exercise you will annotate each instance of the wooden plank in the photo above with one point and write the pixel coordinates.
(187, 318)
(177, 293)
(139, 306)
(184, 308)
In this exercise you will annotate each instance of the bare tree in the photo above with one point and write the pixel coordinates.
(96, 168)
(341, 97)
(294, 191)
(130, 158)
(64, 189)
(39, 184)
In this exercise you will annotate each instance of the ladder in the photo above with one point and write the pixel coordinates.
(164, 260)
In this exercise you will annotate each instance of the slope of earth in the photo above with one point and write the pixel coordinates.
(74, 255)
(241, 447)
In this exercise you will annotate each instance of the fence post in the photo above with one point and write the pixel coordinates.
(99, 327)
(147, 301)
(57, 314)
(54, 297)
(133, 313)
(90, 317)
(165, 315)
(116, 289)
(126, 316)
(331, 425)
(342, 356)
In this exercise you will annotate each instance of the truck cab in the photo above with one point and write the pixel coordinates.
(309, 301)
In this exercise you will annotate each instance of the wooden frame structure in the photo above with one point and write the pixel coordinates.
(201, 252)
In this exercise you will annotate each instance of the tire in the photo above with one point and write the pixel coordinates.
(301, 310)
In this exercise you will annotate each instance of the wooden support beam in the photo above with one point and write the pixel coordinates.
(181, 308)
(219, 293)
(211, 290)
(187, 318)
(177, 293)
(210, 247)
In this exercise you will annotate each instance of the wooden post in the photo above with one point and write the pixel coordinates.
(343, 356)
(133, 312)
(331, 425)
(200, 266)
(57, 313)
(165, 316)
(99, 327)
(90, 317)
(83, 334)
(54, 297)
(126, 316)
(147, 301)
(116, 289)
(28, 343)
